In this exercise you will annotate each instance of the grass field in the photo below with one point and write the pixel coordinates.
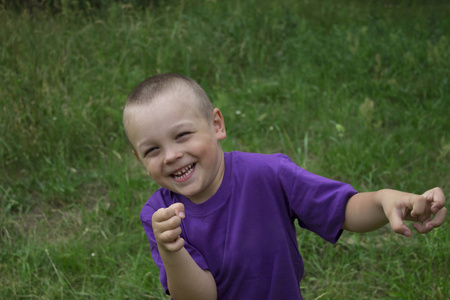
(357, 91)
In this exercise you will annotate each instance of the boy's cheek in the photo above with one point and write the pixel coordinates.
(151, 175)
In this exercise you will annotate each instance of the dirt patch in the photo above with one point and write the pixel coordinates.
(53, 224)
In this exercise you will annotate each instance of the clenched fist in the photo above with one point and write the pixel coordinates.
(166, 227)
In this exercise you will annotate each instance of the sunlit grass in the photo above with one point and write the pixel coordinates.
(354, 91)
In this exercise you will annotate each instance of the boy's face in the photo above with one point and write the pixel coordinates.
(177, 145)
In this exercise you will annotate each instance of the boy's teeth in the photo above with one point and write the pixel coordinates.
(184, 172)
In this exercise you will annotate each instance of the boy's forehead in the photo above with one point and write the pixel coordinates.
(181, 98)
(171, 100)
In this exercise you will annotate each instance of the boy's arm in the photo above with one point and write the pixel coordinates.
(185, 279)
(368, 211)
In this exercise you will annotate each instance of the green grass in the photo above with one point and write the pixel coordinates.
(352, 90)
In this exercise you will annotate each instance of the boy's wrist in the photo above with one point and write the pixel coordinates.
(381, 196)
(173, 247)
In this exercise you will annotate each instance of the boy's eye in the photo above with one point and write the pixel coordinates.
(183, 134)
(150, 151)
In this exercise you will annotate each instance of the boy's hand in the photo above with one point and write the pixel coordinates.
(166, 227)
(427, 211)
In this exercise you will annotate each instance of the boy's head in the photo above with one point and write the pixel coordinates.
(175, 131)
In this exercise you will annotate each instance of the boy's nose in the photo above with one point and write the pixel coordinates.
(171, 155)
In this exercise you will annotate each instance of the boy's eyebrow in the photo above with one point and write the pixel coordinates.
(181, 125)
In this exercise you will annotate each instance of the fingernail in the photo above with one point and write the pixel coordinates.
(181, 215)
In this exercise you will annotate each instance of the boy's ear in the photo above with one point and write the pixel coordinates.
(137, 156)
(219, 124)
(139, 160)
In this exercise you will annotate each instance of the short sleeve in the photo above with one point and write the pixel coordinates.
(146, 215)
(318, 203)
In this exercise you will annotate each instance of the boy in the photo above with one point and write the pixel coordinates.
(222, 225)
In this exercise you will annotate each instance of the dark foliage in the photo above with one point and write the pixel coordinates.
(58, 6)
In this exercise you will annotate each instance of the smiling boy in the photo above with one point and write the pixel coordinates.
(222, 224)
(177, 144)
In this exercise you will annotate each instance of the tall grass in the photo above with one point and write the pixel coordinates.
(355, 91)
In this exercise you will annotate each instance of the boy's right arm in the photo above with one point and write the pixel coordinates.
(186, 280)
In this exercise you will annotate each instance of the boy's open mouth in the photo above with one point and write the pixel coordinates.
(183, 173)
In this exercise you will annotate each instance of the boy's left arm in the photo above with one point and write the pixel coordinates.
(369, 211)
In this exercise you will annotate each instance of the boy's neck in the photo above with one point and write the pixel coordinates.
(217, 182)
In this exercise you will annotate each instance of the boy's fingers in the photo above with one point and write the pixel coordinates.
(419, 206)
(175, 246)
(178, 209)
(169, 236)
(428, 224)
(439, 217)
(169, 218)
(422, 227)
(163, 214)
(437, 197)
(397, 224)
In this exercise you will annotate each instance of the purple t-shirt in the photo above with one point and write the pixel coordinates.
(245, 234)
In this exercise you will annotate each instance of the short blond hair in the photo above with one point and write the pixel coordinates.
(156, 85)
